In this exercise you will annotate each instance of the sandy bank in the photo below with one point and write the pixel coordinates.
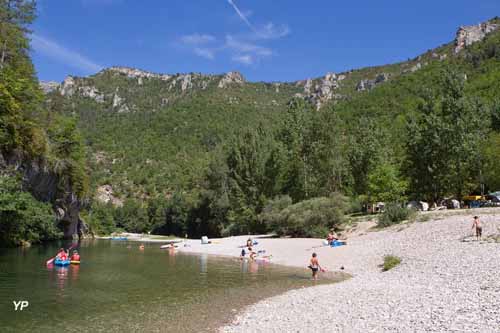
(443, 283)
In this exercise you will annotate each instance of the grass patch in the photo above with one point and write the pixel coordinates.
(390, 262)
(424, 218)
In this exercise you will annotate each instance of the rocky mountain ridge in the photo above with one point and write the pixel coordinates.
(331, 88)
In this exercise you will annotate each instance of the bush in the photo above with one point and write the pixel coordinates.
(309, 218)
(100, 219)
(22, 217)
(390, 262)
(394, 213)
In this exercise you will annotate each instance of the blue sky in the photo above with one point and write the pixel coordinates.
(266, 40)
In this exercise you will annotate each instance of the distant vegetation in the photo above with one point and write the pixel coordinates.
(394, 213)
(206, 166)
(253, 158)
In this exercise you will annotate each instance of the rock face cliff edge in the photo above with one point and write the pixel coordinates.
(47, 186)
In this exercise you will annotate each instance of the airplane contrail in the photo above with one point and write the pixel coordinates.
(243, 17)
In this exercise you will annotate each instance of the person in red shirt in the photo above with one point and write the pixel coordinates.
(75, 256)
(63, 255)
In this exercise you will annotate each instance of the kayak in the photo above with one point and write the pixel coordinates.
(119, 238)
(59, 262)
(75, 262)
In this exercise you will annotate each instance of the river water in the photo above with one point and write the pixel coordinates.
(118, 287)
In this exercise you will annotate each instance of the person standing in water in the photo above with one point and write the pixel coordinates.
(314, 266)
(479, 229)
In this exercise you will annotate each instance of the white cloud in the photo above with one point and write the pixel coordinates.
(242, 48)
(270, 31)
(58, 52)
(245, 59)
(197, 39)
(200, 44)
(245, 47)
(205, 53)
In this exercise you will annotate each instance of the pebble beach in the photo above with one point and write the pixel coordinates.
(447, 281)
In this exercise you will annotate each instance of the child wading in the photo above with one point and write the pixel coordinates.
(479, 229)
(314, 266)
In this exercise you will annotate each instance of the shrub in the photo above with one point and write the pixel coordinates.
(22, 217)
(309, 218)
(390, 262)
(394, 213)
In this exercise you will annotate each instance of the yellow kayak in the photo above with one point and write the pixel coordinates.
(75, 262)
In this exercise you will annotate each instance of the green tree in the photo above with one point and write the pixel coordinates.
(385, 184)
(247, 183)
(490, 160)
(367, 147)
(22, 217)
(293, 135)
(443, 147)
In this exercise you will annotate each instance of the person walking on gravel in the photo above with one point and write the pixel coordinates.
(479, 229)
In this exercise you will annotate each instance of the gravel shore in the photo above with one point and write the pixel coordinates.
(444, 284)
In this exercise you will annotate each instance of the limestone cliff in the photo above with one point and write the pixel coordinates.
(467, 35)
(45, 185)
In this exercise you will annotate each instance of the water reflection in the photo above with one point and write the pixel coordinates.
(75, 270)
(204, 263)
(253, 267)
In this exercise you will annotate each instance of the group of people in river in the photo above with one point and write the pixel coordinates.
(252, 255)
(64, 255)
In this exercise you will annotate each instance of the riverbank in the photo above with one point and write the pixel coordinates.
(446, 281)
(143, 238)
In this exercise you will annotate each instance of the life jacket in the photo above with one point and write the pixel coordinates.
(75, 257)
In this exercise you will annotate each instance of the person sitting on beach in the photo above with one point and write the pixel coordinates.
(479, 229)
(314, 266)
(332, 237)
(75, 256)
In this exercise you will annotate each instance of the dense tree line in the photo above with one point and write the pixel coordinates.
(297, 178)
(228, 161)
(31, 134)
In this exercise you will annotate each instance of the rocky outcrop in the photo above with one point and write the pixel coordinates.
(117, 100)
(467, 35)
(137, 73)
(69, 87)
(49, 86)
(45, 185)
(104, 194)
(370, 84)
(231, 78)
(91, 92)
(320, 91)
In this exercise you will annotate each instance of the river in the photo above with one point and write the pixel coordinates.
(118, 287)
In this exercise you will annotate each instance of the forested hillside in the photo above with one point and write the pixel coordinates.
(42, 166)
(216, 155)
